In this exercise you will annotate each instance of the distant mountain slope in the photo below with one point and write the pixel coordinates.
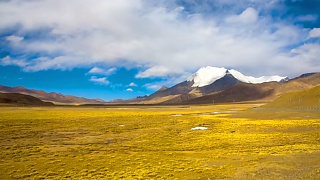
(302, 99)
(21, 99)
(303, 82)
(51, 97)
(238, 93)
(181, 88)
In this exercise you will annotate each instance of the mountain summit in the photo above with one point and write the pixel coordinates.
(208, 75)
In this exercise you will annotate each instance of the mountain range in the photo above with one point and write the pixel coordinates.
(53, 97)
(219, 85)
(207, 85)
(208, 75)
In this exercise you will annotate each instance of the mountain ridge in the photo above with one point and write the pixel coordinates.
(231, 85)
(258, 92)
(208, 75)
(225, 88)
(56, 98)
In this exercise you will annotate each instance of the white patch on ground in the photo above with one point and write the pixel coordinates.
(176, 115)
(198, 128)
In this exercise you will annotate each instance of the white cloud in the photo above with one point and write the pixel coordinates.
(153, 87)
(300, 60)
(164, 39)
(156, 71)
(9, 61)
(59, 62)
(132, 84)
(14, 38)
(308, 17)
(97, 70)
(250, 15)
(129, 90)
(314, 33)
(167, 82)
(101, 81)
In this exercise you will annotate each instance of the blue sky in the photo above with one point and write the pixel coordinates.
(127, 48)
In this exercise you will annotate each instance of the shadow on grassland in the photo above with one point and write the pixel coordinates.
(268, 113)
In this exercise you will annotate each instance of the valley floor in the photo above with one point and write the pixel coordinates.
(158, 143)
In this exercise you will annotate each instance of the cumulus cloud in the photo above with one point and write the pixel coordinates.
(163, 38)
(308, 17)
(9, 61)
(167, 82)
(97, 70)
(250, 15)
(153, 87)
(100, 81)
(14, 38)
(129, 90)
(44, 63)
(132, 84)
(158, 71)
(314, 33)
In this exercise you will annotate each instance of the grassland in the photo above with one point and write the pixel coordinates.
(309, 98)
(157, 143)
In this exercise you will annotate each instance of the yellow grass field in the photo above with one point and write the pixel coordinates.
(157, 142)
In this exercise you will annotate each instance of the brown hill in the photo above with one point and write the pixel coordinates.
(21, 99)
(303, 82)
(50, 97)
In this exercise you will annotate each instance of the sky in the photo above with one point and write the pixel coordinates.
(126, 48)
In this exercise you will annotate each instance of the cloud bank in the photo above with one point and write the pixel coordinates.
(166, 39)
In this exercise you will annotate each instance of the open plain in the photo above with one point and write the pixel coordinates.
(233, 141)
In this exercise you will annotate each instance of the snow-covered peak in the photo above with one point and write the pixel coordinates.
(254, 80)
(208, 75)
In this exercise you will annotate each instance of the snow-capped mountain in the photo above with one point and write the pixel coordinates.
(208, 75)
(221, 85)
(208, 80)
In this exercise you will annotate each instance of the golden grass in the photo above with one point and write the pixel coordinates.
(155, 143)
(302, 99)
